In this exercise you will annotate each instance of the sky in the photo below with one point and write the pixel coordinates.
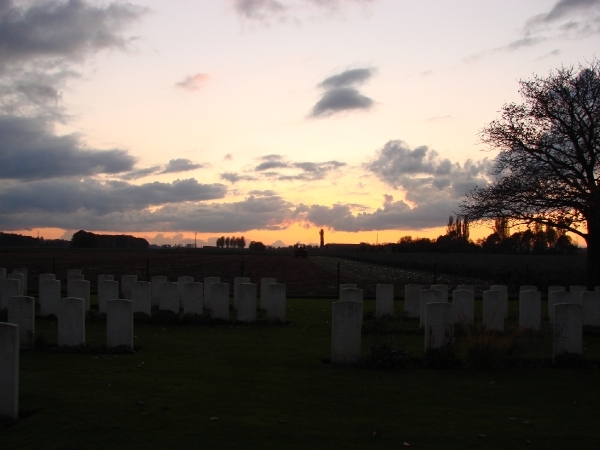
(178, 120)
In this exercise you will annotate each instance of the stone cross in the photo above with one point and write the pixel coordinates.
(21, 312)
(119, 323)
(346, 324)
(530, 310)
(493, 306)
(276, 301)
(246, 309)
(384, 300)
(71, 321)
(412, 300)
(9, 371)
(567, 329)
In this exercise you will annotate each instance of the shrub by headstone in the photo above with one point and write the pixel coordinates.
(21, 278)
(71, 322)
(192, 296)
(9, 371)
(156, 281)
(126, 283)
(246, 309)
(140, 295)
(169, 297)
(80, 289)
(567, 329)
(207, 282)
(590, 302)
(464, 306)
(384, 300)
(236, 282)
(49, 297)
(346, 324)
(412, 300)
(439, 324)
(555, 298)
(107, 290)
(219, 295)
(11, 287)
(429, 296)
(119, 323)
(351, 295)
(21, 312)
(504, 298)
(276, 300)
(444, 288)
(264, 282)
(530, 310)
(493, 304)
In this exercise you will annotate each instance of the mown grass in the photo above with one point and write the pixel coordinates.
(270, 390)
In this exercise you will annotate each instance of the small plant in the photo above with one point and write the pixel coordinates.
(389, 356)
(482, 348)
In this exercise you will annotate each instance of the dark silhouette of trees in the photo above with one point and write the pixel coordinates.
(85, 239)
(548, 168)
(257, 246)
(231, 242)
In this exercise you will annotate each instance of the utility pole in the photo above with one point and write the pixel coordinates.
(195, 244)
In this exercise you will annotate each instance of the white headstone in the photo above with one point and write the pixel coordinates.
(351, 295)
(443, 288)
(465, 287)
(119, 323)
(192, 297)
(2, 273)
(439, 324)
(590, 301)
(246, 309)
(140, 295)
(71, 321)
(23, 272)
(504, 298)
(597, 289)
(567, 329)
(9, 371)
(412, 300)
(530, 310)
(181, 281)
(207, 282)
(105, 277)
(464, 306)
(384, 300)
(527, 287)
(21, 278)
(169, 297)
(346, 324)
(74, 277)
(236, 282)
(276, 301)
(49, 297)
(156, 281)
(576, 292)
(429, 296)
(73, 272)
(45, 276)
(9, 288)
(264, 282)
(493, 304)
(21, 312)
(219, 295)
(80, 289)
(347, 286)
(107, 290)
(555, 288)
(126, 283)
(555, 298)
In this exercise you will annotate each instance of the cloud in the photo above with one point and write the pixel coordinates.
(31, 151)
(423, 175)
(567, 19)
(180, 165)
(233, 177)
(194, 82)
(304, 170)
(339, 95)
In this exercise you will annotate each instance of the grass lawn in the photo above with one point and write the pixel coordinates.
(268, 388)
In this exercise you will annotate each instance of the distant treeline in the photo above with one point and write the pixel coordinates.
(85, 239)
(18, 240)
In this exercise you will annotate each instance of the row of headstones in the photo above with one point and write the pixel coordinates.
(568, 311)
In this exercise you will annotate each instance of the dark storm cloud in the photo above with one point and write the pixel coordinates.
(180, 165)
(339, 95)
(29, 150)
(62, 29)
